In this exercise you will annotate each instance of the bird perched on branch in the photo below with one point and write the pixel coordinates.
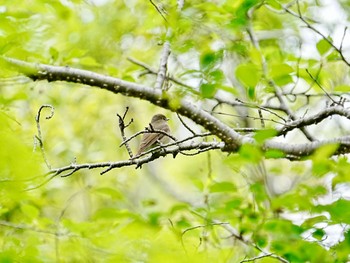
(151, 139)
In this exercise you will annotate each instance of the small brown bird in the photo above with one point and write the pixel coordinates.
(149, 140)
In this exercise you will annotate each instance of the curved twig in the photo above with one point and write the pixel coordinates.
(39, 137)
(122, 127)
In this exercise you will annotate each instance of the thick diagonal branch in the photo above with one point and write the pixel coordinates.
(231, 138)
(158, 97)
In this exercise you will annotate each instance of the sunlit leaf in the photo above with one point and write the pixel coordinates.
(207, 90)
(339, 211)
(248, 75)
(250, 153)
(281, 73)
(323, 46)
(261, 136)
(222, 187)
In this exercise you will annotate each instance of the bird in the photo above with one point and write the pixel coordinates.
(149, 139)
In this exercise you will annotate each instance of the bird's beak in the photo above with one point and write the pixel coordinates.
(167, 119)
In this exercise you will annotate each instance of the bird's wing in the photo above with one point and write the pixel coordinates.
(148, 140)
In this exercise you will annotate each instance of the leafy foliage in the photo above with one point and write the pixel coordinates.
(203, 208)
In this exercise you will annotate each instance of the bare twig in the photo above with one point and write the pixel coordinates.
(328, 40)
(72, 168)
(241, 103)
(262, 121)
(184, 124)
(147, 130)
(248, 116)
(256, 258)
(41, 184)
(202, 226)
(234, 233)
(319, 85)
(122, 127)
(31, 228)
(178, 143)
(342, 39)
(159, 10)
(39, 137)
(278, 93)
(154, 72)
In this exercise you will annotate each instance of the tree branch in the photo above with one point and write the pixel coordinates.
(156, 154)
(314, 119)
(122, 127)
(161, 76)
(158, 97)
(231, 139)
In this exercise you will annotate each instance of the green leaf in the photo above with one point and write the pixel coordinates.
(248, 75)
(216, 75)
(251, 93)
(30, 211)
(281, 73)
(319, 234)
(208, 90)
(110, 192)
(242, 7)
(154, 218)
(233, 204)
(89, 62)
(323, 46)
(209, 59)
(263, 135)
(259, 191)
(342, 88)
(250, 153)
(222, 187)
(339, 211)
(274, 154)
(112, 213)
(342, 248)
(311, 222)
(321, 162)
(53, 53)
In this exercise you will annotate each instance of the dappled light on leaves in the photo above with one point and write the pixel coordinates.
(256, 166)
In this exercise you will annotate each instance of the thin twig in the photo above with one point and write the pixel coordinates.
(240, 103)
(248, 116)
(271, 82)
(184, 124)
(30, 228)
(202, 226)
(234, 233)
(72, 168)
(256, 258)
(39, 137)
(319, 85)
(302, 18)
(41, 184)
(147, 130)
(154, 72)
(261, 119)
(122, 127)
(342, 39)
(159, 10)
